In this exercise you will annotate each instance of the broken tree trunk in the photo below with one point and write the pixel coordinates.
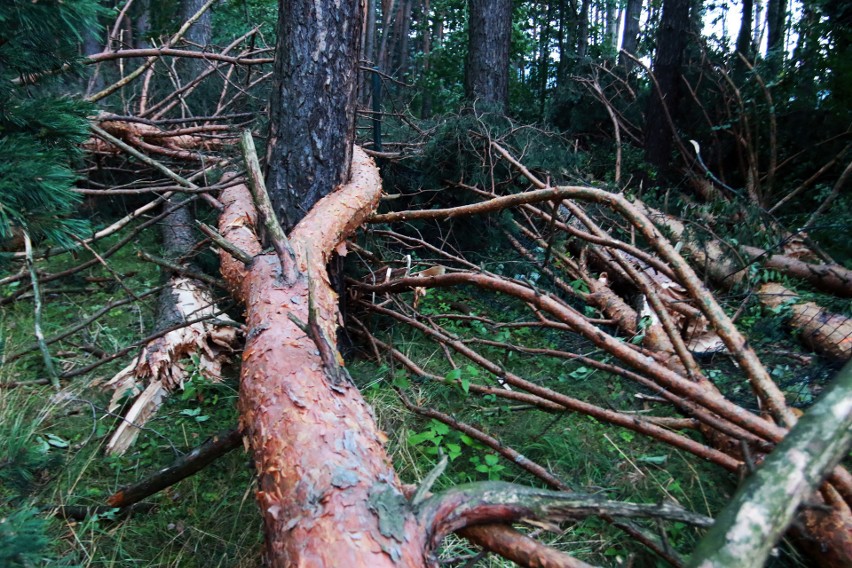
(327, 491)
(165, 363)
(712, 258)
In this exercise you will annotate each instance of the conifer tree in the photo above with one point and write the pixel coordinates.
(40, 128)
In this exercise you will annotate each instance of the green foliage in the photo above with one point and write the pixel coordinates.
(39, 131)
(23, 539)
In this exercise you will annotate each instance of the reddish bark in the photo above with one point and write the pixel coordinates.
(327, 491)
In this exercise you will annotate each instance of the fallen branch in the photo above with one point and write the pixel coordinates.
(759, 514)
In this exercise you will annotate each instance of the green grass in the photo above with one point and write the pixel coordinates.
(51, 447)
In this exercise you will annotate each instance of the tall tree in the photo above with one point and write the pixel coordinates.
(630, 41)
(671, 41)
(199, 35)
(744, 36)
(312, 113)
(489, 37)
(583, 33)
(776, 24)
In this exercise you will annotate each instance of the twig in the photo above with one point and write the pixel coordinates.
(224, 243)
(150, 61)
(178, 269)
(48, 360)
(267, 215)
(154, 164)
(78, 326)
(186, 465)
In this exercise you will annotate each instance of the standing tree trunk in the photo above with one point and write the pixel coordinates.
(402, 43)
(744, 37)
(312, 113)
(671, 41)
(426, 30)
(583, 35)
(370, 32)
(544, 59)
(611, 24)
(142, 25)
(489, 37)
(199, 34)
(776, 24)
(630, 42)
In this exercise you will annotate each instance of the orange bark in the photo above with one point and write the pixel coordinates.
(327, 491)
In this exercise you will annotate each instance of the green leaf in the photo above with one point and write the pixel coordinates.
(453, 451)
(56, 441)
(401, 382)
(440, 428)
(653, 460)
(416, 439)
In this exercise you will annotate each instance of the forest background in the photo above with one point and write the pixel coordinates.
(553, 340)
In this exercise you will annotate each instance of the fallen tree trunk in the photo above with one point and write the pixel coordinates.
(826, 333)
(712, 257)
(326, 484)
(328, 493)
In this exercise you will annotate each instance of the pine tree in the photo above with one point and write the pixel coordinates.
(40, 129)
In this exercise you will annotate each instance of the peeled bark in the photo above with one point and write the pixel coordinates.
(327, 489)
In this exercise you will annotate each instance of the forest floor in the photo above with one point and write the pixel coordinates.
(56, 439)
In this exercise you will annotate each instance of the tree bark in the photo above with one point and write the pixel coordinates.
(827, 333)
(370, 31)
(630, 41)
(327, 490)
(776, 23)
(312, 113)
(199, 34)
(750, 525)
(489, 37)
(744, 36)
(671, 41)
(426, 31)
(402, 43)
(583, 35)
(142, 25)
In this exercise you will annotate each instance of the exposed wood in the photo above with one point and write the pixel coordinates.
(759, 514)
